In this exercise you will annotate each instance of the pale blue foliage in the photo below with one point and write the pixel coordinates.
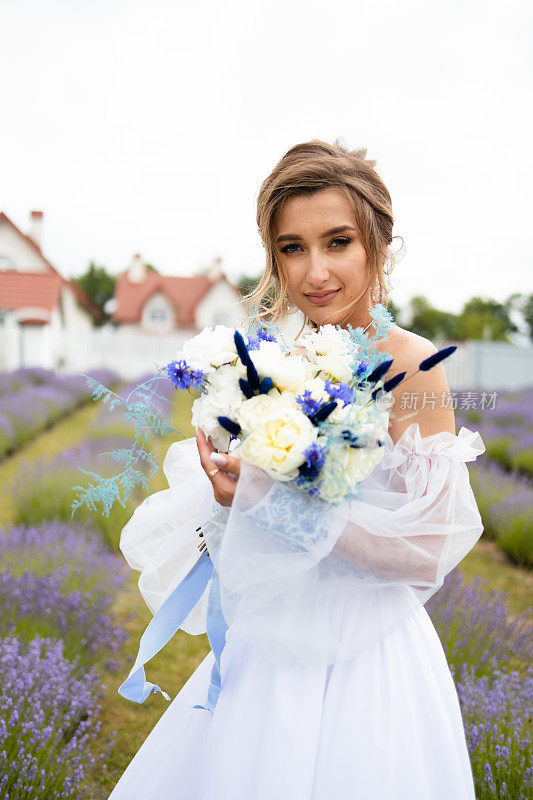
(137, 407)
(254, 324)
(366, 344)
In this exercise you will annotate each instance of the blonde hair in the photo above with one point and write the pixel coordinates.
(305, 169)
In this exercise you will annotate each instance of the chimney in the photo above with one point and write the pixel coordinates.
(36, 227)
(215, 270)
(137, 269)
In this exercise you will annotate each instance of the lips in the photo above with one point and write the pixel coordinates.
(321, 298)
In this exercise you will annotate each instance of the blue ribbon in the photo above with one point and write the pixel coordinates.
(216, 633)
(167, 621)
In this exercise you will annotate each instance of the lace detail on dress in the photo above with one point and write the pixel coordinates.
(290, 518)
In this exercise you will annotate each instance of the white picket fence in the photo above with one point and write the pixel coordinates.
(129, 353)
(488, 365)
(474, 365)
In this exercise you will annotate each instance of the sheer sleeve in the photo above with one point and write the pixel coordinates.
(161, 540)
(312, 583)
(421, 519)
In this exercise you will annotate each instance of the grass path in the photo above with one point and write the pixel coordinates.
(65, 433)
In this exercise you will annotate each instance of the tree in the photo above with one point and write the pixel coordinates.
(99, 285)
(395, 311)
(247, 283)
(484, 318)
(524, 304)
(431, 322)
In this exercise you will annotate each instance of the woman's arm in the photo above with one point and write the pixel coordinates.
(407, 543)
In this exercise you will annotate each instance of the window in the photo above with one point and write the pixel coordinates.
(158, 314)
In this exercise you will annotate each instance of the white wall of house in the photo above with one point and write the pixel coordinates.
(158, 314)
(16, 253)
(76, 318)
(221, 305)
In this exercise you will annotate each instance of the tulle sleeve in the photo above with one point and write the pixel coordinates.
(161, 540)
(312, 583)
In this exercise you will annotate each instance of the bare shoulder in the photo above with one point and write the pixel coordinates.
(407, 349)
(424, 397)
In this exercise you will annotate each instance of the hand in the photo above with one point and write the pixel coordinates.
(223, 476)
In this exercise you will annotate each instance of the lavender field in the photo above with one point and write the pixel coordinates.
(33, 399)
(68, 604)
(503, 478)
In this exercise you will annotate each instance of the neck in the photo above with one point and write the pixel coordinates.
(361, 319)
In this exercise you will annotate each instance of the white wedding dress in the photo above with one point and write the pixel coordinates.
(334, 682)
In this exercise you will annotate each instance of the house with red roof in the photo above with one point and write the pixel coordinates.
(146, 301)
(39, 309)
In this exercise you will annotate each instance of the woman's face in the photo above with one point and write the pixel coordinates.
(322, 257)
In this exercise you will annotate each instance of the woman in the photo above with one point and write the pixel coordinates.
(334, 683)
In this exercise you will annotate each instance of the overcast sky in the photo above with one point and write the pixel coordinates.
(149, 126)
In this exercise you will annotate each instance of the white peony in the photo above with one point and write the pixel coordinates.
(210, 348)
(279, 435)
(287, 372)
(251, 411)
(328, 339)
(335, 365)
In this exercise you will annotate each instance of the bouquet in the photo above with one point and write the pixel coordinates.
(316, 417)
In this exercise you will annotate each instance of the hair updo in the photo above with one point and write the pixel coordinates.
(305, 169)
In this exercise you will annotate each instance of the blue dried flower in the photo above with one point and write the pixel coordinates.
(315, 456)
(183, 376)
(362, 368)
(340, 391)
(261, 335)
(307, 403)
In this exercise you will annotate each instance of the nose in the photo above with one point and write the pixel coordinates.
(317, 271)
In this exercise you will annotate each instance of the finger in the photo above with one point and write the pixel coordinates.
(205, 448)
(226, 463)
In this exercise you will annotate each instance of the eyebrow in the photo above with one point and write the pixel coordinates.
(286, 236)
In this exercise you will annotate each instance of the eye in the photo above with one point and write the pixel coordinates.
(286, 248)
(342, 242)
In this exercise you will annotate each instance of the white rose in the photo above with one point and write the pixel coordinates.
(278, 438)
(328, 339)
(223, 398)
(287, 372)
(225, 380)
(210, 348)
(338, 366)
(317, 387)
(345, 467)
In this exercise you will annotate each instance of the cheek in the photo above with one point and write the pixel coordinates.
(354, 271)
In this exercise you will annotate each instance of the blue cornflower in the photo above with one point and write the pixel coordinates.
(362, 368)
(307, 403)
(183, 376)
(261, 335)
(315, 456)
(339, 391)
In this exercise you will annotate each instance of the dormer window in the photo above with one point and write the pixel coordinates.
(7, 263)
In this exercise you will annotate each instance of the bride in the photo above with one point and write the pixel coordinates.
(333, 682)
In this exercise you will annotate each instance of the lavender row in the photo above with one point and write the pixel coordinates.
(48, 721)
(57, 633)
(32, 400)
(506, 429)
(505, 501)
(490, 656)
(45, 489)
